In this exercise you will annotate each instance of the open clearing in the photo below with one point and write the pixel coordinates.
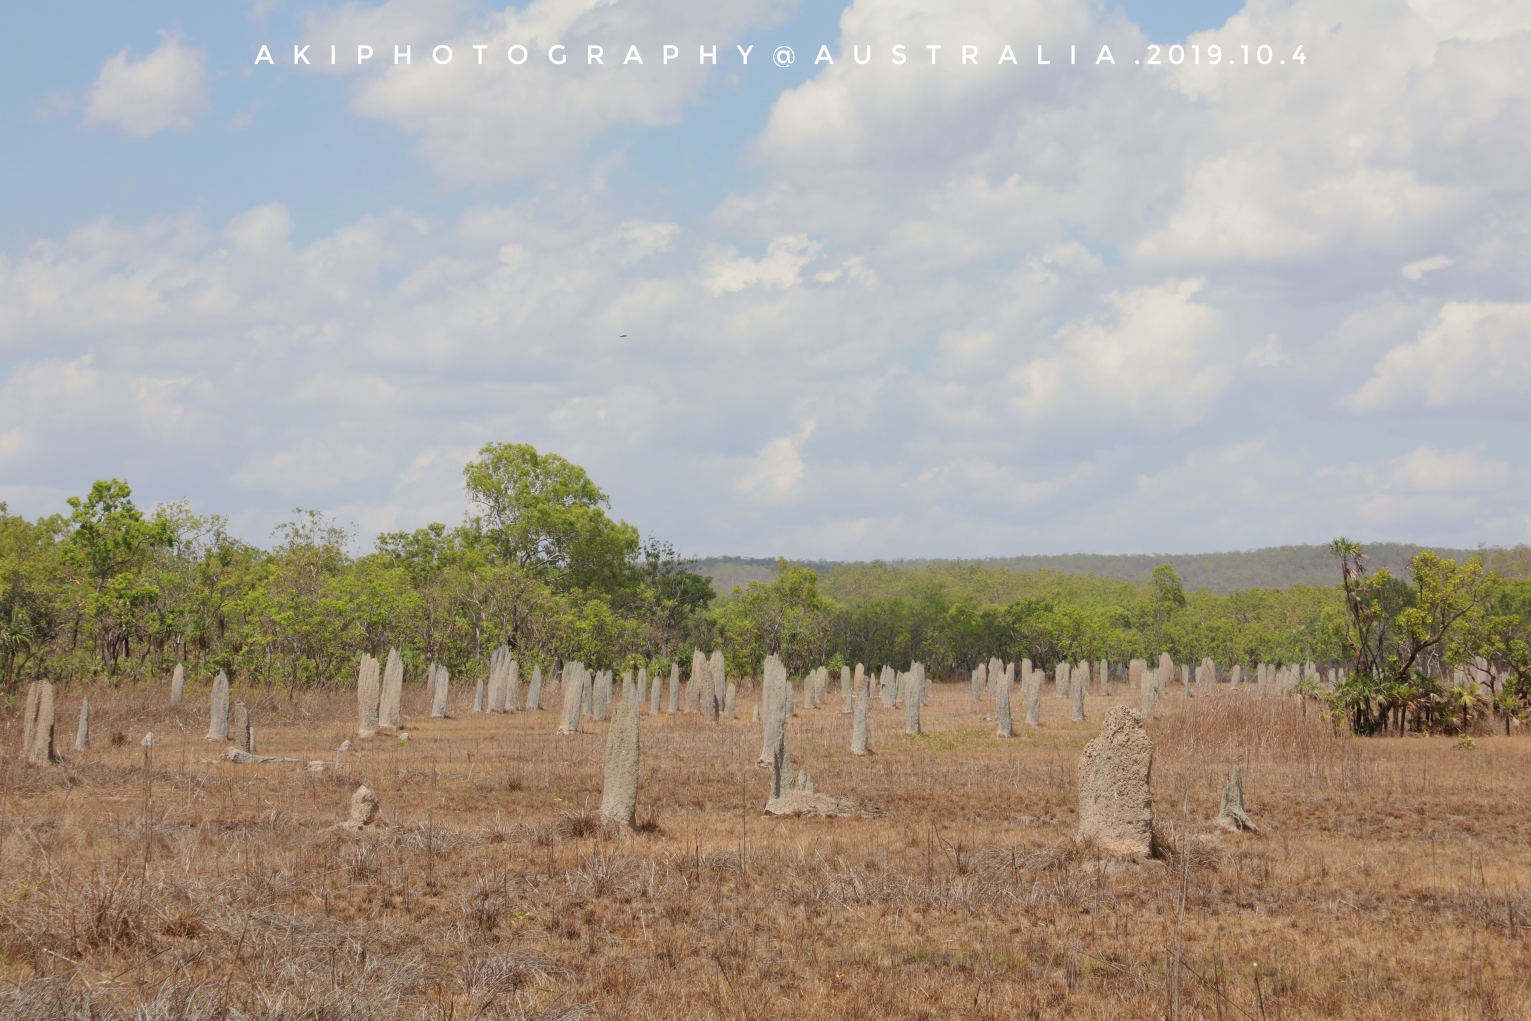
(1389, 880)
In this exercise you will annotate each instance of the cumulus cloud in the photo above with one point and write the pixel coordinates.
(103, 413)
(1154, 355)
(499, 119)
(1177, 167)
(1472, 351)
(1419, 267)
(1424, 484)
(165, 89)
(645, 239)
(775, 474)
(781, 267)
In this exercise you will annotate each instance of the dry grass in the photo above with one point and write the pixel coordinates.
(1388, 882)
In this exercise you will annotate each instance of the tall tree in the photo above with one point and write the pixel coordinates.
(1166, 595)
(544, 515)
(114, 546)
(787, 617)
(668, 593)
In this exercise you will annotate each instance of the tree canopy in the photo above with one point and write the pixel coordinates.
(542, 514)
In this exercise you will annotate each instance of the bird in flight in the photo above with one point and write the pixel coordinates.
(623, 335)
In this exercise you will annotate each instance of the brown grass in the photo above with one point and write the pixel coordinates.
(1388, 882)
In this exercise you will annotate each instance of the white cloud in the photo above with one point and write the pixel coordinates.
(1268, 354)
(299, 372)
(429, 488)
(361, 391)
(1419, 267)
(646, 239)
(264, 230)
(963, 351)
(1234, 489)
(36, 397)
(70, 421)
(854, 268)
(775, 474)
(1424, 484)
(1179, 168)
(1156, 356)
(166, 89)
(1427, 470)
(1002, 484)
(1072, 256)
(1472, 351)
(497, 120)
(622, 415)
(726, 271)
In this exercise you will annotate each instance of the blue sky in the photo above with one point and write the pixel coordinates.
(870, 310)
(262, 137)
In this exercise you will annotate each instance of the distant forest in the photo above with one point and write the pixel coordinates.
(1275, 567)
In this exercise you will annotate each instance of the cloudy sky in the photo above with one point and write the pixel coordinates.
(829, 310)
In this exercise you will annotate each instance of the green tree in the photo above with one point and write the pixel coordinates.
(200, 576)
(667, 593)
(34, 583)
(544, 515)
(962, 636)
(1401, 637)
(114, 546)
(426, 552)
(787, 617)
(1166, 596)
(299, 608)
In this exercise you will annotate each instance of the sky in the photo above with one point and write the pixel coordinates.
(938, 308)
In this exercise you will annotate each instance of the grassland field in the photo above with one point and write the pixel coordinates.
(1389, 879)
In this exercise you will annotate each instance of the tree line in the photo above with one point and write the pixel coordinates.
(110, 592)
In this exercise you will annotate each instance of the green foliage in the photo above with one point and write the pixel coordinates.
(788, 617)
(1402, 637)
(952, 615)
(113, 547)
(667, 592)
(32, 607)
(1275, 567)
(539, 566)
(542, 514)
